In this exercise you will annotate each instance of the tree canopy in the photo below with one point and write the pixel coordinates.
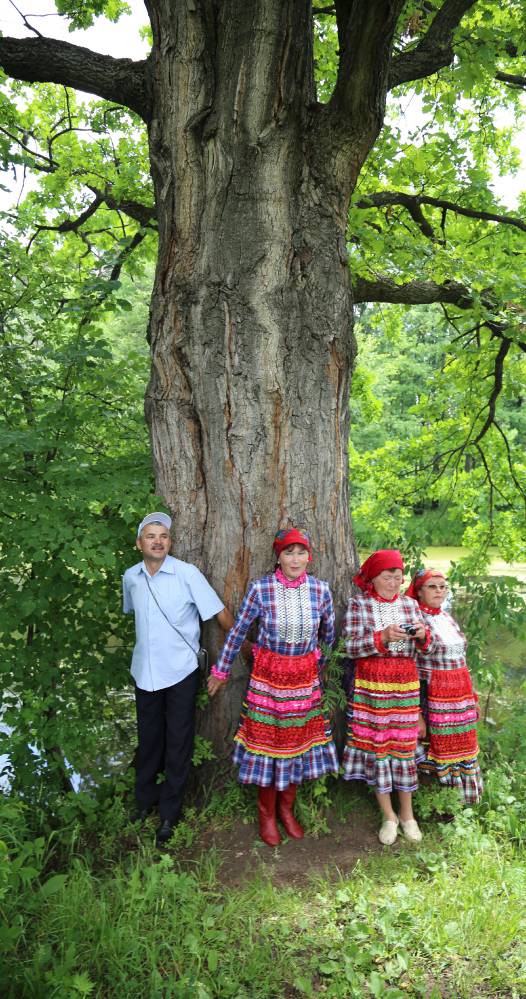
(429, 194)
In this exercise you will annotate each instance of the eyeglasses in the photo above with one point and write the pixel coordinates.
(435, 586)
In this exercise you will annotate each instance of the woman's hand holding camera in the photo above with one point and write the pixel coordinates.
(404, 632)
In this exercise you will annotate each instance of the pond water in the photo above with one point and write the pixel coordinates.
(441, 558)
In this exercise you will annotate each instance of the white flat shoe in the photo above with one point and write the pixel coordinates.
(411, 831)
(388, 832)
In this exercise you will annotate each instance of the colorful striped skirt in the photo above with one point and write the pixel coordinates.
(452, 749)
(283, 736)
(382, 727)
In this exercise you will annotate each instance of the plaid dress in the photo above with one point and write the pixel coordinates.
(383, 708)
(283, 737)
(450, 707)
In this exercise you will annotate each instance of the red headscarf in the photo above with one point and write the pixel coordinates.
(419, 579)
(386, 558)
(293, 536)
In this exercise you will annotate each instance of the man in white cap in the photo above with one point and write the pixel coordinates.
(168, 597)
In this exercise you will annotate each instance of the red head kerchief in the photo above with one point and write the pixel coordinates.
(419, 579)
(291, 536)
(387, 558)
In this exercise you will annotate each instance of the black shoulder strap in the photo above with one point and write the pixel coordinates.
(165, 615)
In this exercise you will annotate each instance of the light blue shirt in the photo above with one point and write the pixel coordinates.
(161, 657)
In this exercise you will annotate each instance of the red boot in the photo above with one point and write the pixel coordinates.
(285, 815)
(268, 827)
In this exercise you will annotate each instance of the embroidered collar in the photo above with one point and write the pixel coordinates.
(430, 610)
(290, 583)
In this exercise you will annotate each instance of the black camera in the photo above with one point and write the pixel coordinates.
(409, 629)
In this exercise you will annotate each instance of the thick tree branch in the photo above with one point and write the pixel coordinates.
(512, 80)
(46, 60)
(70, 225)
(345, 129)
(413, 202)
(435, 50)
(365, 33)
(384, 289)
(144, 214)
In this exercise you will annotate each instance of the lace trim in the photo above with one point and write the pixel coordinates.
(294, 613)
(387, 612)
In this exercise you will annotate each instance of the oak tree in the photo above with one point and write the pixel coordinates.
(276, 218)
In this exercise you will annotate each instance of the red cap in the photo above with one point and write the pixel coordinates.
(294, 536)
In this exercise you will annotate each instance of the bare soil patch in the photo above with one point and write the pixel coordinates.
(243, 856)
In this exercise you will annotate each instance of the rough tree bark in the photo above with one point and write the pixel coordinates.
(251, 318)
(251, 315)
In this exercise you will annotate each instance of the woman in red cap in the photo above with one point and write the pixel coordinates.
(450, 705)
(382, 632)
(283, 737)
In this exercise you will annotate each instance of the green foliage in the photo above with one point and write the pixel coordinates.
(202, 751)
(485, 606)
(325, 55)
(74, 477)
(334, 665)
(82, 13)
(418, 406)
(437, 441)
(86, 907)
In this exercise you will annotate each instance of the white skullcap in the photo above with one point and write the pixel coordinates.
(155, 518)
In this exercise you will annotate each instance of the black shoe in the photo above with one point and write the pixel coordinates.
(164, 832)
(141, 814)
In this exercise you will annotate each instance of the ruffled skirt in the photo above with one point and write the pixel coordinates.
(451, 752)
(382, 724)
(283, 736)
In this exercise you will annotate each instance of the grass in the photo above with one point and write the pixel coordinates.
(446, 919)
(89, 910)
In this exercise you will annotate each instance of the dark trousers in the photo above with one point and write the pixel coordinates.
(165, 728)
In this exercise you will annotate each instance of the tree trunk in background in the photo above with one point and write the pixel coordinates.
(251, 314)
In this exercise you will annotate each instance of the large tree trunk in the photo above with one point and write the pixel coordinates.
(251, 315)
